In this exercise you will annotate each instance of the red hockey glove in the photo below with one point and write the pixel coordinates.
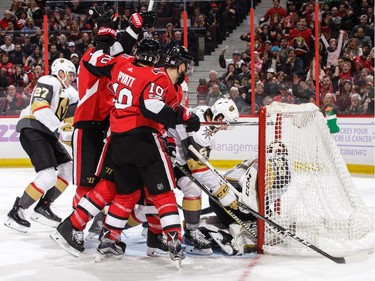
(189, 119)
(136, 22)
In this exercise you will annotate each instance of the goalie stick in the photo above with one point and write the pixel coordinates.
(206, 190)
(278, 228)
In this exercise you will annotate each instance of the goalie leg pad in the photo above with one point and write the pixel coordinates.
(248, 183)
(242, 241)
(222, 238)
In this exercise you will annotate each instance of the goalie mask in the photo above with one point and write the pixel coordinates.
(277, 148)
(277, 165)
(225, 108)
(65, 66)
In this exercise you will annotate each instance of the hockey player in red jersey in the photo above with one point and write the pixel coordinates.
(137, 124)
(39, 126)
(91, 126)
(92, 168)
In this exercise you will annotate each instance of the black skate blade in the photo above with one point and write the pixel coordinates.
(63, 244)
(16, 226)
(43, 220)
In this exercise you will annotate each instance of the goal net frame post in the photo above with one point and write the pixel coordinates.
(290, 124)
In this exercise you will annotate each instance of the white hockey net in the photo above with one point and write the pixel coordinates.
(318, 202)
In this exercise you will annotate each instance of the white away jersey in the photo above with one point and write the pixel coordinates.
(48, 105)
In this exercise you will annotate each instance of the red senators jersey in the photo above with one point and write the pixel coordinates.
(300, 40)
(95, 94)
(137, 87)
(144, 95)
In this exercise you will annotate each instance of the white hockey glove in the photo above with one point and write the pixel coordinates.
(226, 196)
(66, 133)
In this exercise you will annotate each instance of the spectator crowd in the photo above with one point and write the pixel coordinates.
(284, 56)
(285, 63)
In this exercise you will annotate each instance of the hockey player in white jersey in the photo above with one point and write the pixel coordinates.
(224, 110)
(40, 130)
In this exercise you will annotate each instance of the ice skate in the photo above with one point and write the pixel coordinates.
(68, 238)
(96, 226)
(196, 243)
(175, 249)
(156, 244)
(16, 218)
(109, 249)
(44, 215)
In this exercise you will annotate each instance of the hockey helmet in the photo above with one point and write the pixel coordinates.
(277, 147)
(148, 51)
(64, 65)
(177, 55)
(227, 108)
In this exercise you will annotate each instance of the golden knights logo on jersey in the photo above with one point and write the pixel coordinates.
(208, 133)
(62, 107)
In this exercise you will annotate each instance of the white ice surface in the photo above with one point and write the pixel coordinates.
(34, 256)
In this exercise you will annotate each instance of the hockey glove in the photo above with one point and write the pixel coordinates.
(107, 24)
(171, 145)
(188, 118)
(149, 19)
(226, 196)
(136, 22)
(66, 133)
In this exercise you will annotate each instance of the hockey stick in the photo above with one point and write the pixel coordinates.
(150, 6)
(205, 161)
(283, 231)
(214, 123)
(278, 228)
(206, 190)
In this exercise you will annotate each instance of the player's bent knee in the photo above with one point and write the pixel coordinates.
(65, 171)
(45, 179)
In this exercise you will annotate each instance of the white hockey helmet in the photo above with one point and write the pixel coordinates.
(64, 65)
(227, 108)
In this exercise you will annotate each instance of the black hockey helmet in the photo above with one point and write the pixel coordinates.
(177, 55)
(148, 51)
